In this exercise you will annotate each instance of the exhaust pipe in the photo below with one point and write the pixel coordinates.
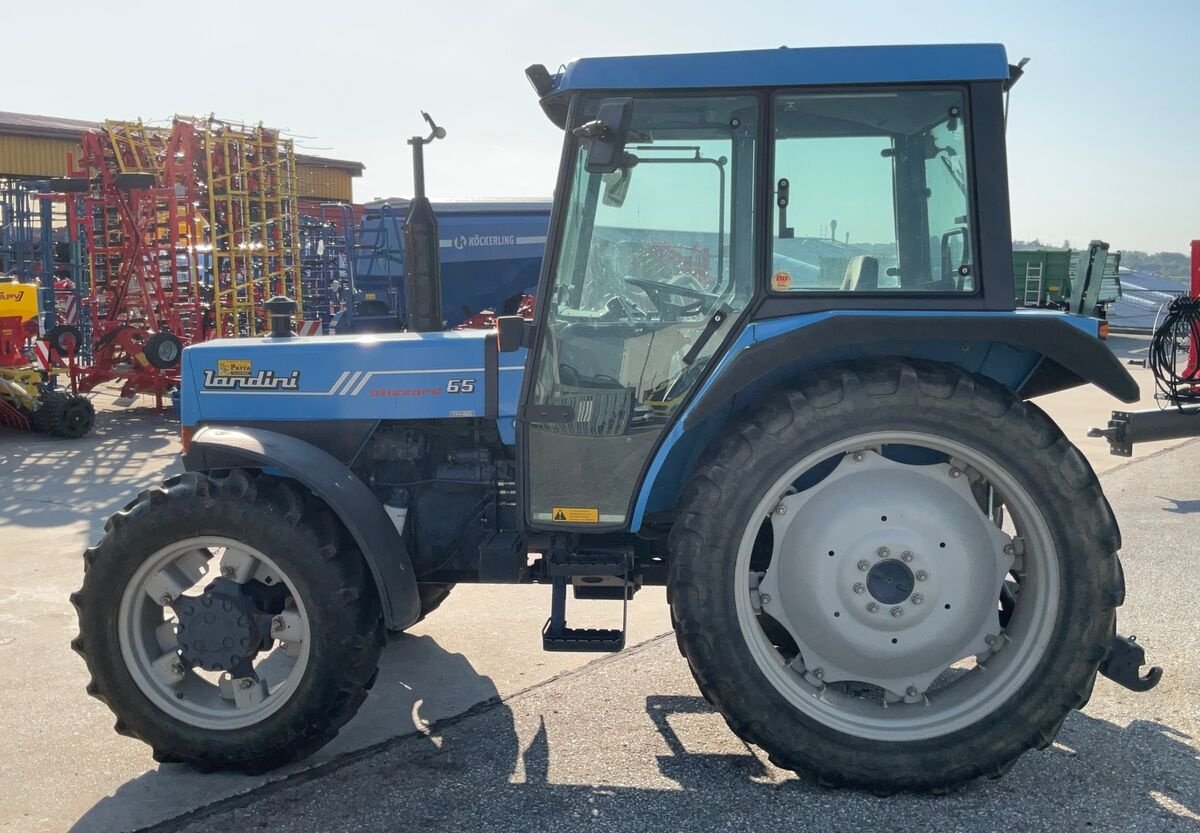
(422, 261)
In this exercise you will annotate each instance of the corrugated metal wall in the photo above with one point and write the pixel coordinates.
(33, 156)
(37, 156)
(324, 183)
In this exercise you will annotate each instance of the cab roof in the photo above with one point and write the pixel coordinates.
(785, 67)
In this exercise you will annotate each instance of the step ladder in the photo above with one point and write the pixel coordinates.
(1033, 284)
(562, 567)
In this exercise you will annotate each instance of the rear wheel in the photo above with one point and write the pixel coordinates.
(227, 623)
(895, 577)
(432, 596)
(78, 417)
(163, 350)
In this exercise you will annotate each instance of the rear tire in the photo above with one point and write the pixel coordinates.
(78, 418)
(319, 567)
(719, 513)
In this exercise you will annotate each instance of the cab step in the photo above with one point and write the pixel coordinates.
(562, 568)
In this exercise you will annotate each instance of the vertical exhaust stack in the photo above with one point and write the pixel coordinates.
(422, 263)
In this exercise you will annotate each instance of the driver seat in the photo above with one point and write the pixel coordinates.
(862, 274)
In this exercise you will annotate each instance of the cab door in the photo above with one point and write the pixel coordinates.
(653, 265)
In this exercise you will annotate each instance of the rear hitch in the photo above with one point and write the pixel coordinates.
(1124, 662)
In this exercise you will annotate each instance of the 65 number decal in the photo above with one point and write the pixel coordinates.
(460, 386)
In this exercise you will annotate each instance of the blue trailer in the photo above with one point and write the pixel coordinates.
(491, 253)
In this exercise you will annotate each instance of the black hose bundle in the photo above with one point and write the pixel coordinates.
(1171, 349)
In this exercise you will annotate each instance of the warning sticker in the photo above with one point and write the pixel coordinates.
(575, 515)
(781, 281)
(233, 367)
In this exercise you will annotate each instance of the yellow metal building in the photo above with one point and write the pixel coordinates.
(37, 146)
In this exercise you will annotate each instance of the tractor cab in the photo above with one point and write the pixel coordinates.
(702, 191)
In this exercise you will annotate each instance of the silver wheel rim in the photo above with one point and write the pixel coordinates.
(146, 632)
(881, 674)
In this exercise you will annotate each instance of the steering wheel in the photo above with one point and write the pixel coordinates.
(658, 290)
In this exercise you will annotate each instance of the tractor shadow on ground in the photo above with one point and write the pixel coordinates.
(1180, 507)
(510, 766)
(419, 683)
(51, 482)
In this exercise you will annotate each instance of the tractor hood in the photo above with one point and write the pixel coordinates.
(437, 375)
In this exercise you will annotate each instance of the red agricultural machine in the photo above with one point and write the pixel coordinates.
(186, 231)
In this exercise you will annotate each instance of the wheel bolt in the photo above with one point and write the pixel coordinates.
(781, 509)
(917, 598)
(819, 673)
(764, 599)
(897, 612)
(228, 572)
(883, 552)
(859, 587)
(1009, 549)
(277, 624)
(912, 691)
(990, 639)
(165, 599)
(872, 607)
(955, 473)
(906, 556)
(245, 682)
(864, 565)
(859, 456)
(922, 575)
(178, 667)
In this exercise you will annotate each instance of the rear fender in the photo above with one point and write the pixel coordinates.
(1031, 353)
(328, 478)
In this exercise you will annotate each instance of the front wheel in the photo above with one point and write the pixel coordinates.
(228, 622)
(895, 576)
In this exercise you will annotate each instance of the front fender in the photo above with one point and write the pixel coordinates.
(328, 478)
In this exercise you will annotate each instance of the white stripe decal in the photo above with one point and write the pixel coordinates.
(350, 382)
(525, 241)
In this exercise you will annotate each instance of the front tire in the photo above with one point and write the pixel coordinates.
(290, 577)
(909, 675)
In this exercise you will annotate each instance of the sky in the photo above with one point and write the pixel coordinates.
(1103, 129)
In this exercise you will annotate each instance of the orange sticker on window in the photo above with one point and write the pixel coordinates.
(781, 281)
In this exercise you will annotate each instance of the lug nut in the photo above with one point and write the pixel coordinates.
(164, 599)
(917, 598)
(872, 607)
(178, 667)
(277, 624)
(764, 599)
(1009, 549)
(912, 691)
(245, 682)
(906, 556)
(859, 587)
(864, 565)
(819, 673)
(859, 456)
(781, 509)
(897, 612)
(883, 552)
(955, 473)
(990, 639)
(228, 572)
(922, 575)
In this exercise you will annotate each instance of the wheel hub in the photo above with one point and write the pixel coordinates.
(222, 629)
(890, 582)
(885, 573)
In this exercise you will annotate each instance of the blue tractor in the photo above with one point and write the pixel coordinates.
(885, 566)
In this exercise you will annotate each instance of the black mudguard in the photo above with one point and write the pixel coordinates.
(1070, 357)
(350, 499)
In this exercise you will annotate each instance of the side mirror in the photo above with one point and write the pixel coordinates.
(606, 135)
(510, 333)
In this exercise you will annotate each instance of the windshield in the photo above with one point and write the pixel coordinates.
(654, 264)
